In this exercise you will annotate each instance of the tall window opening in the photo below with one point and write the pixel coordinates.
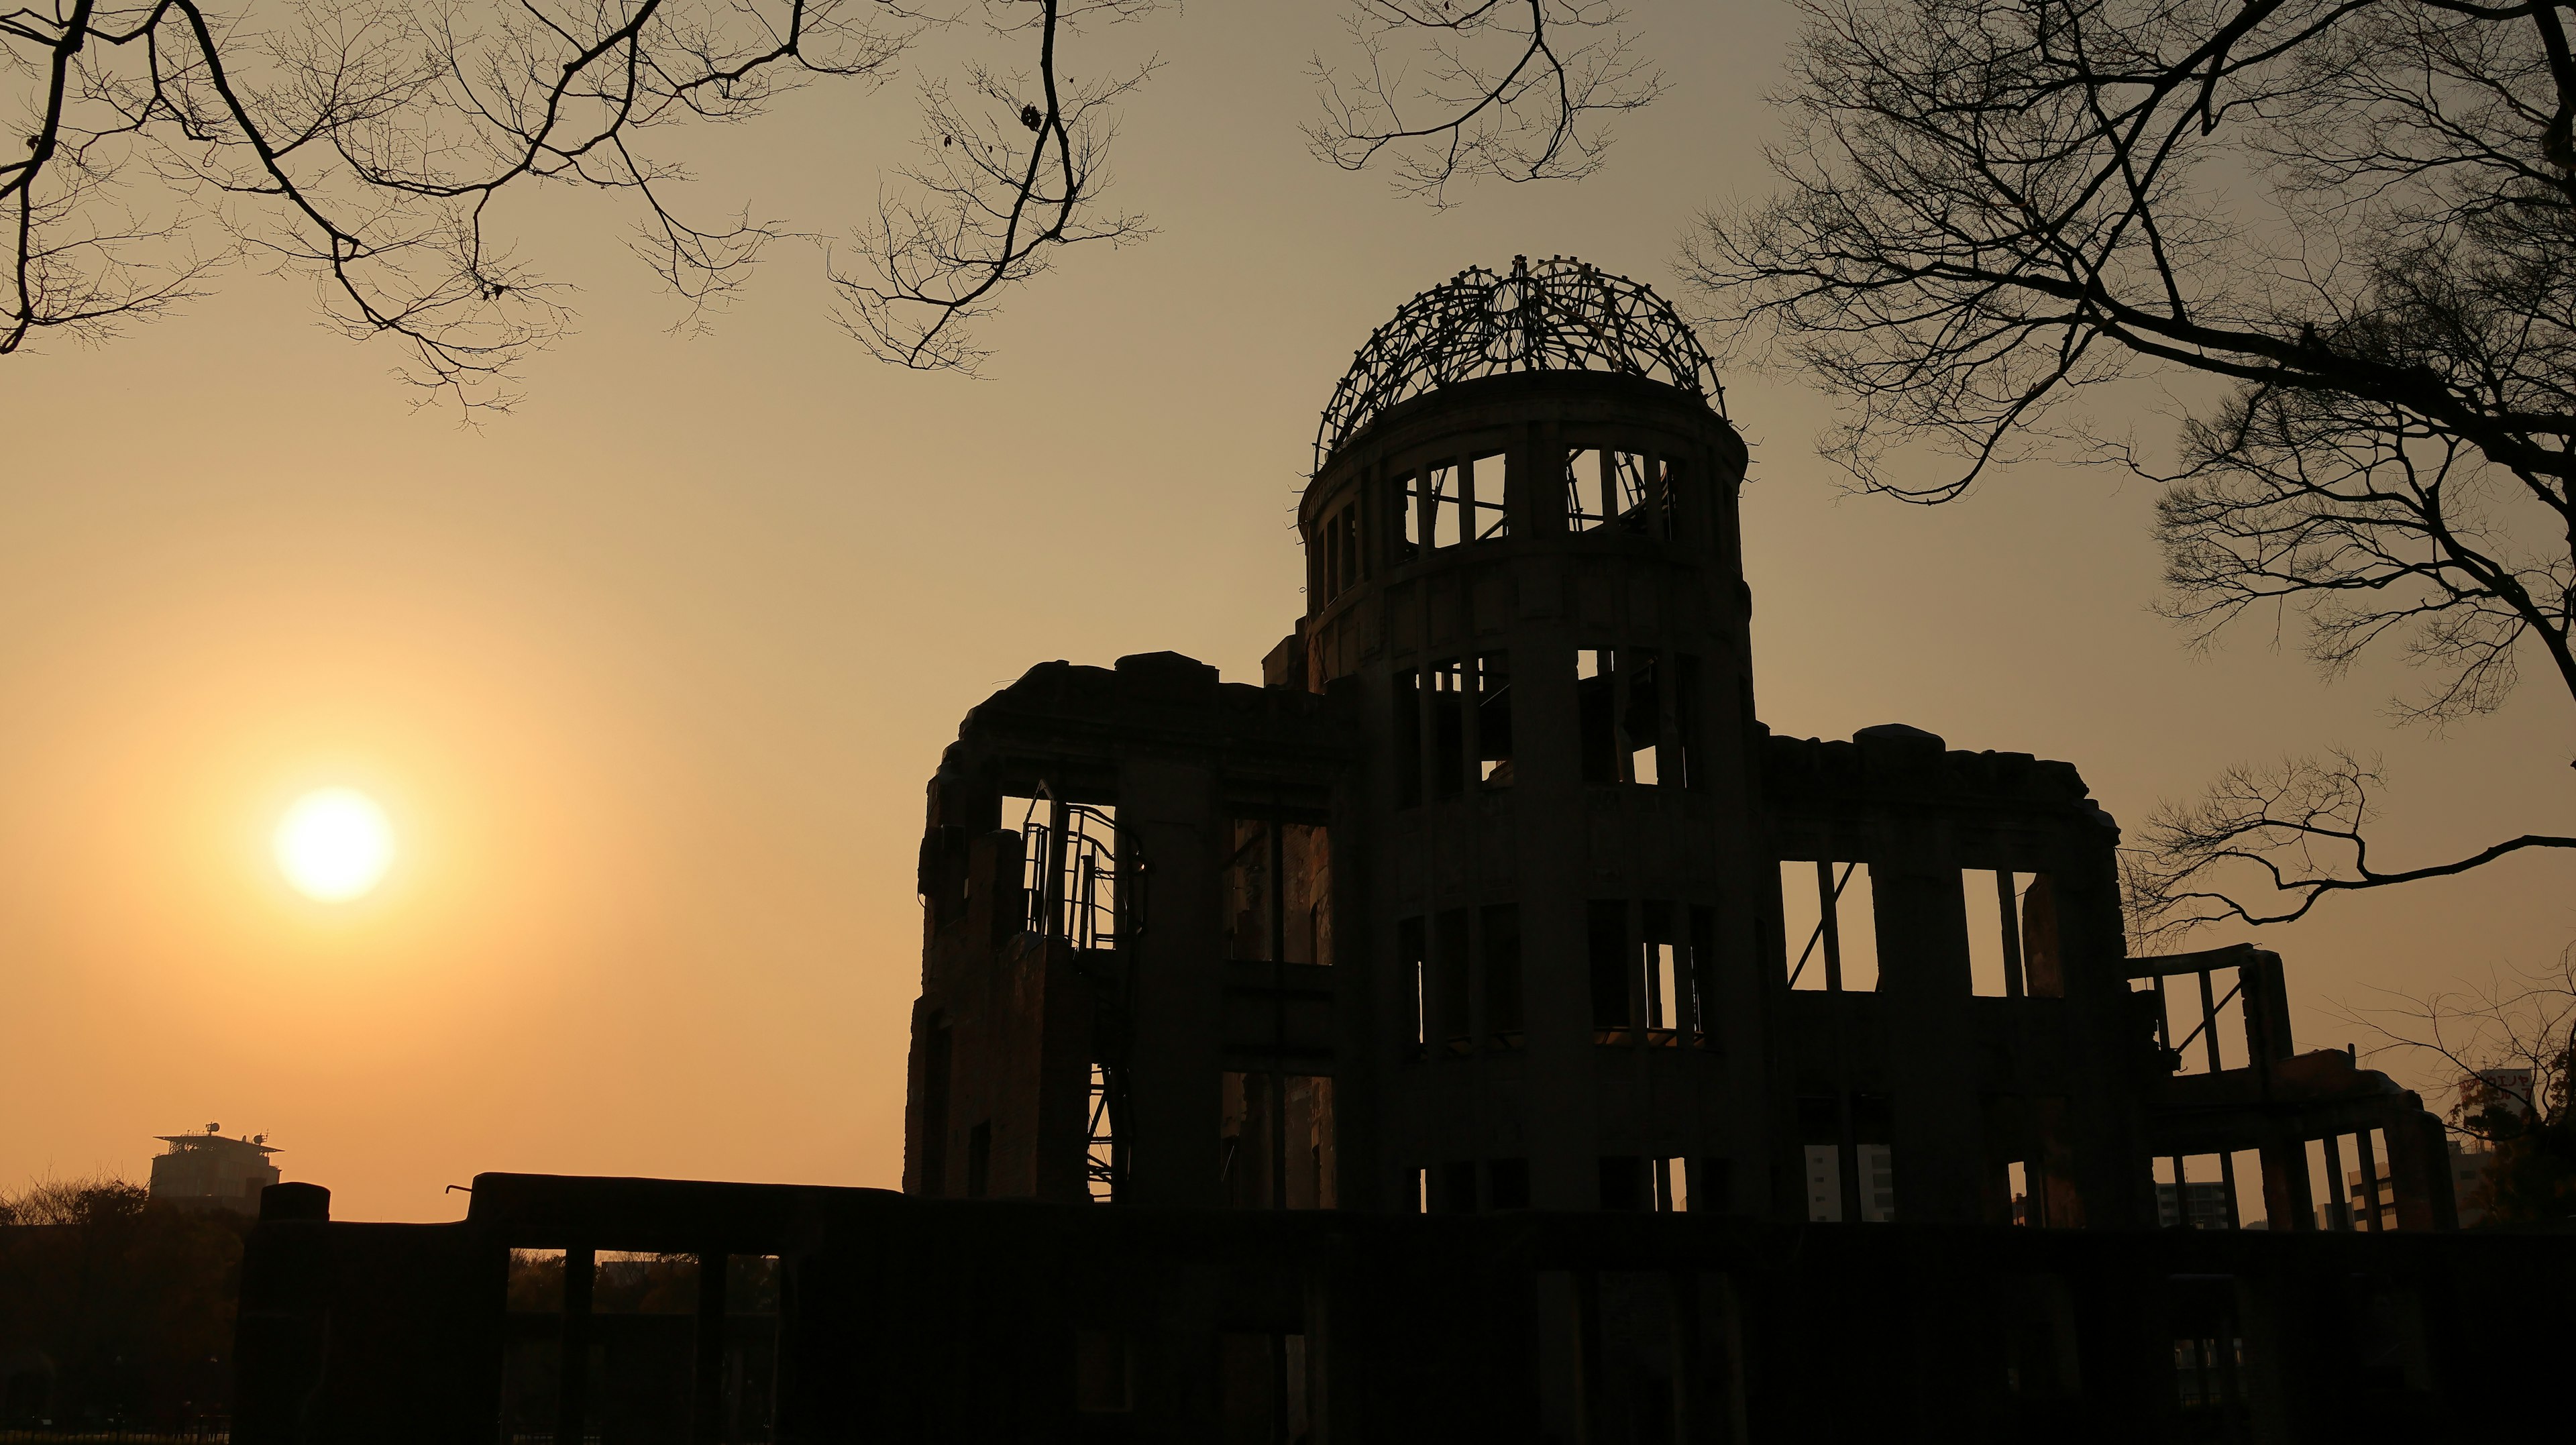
(1702, 969)
(1069, 867)
(1672, 1185)
(1405, 740)
(1587, 490)
(1606, 946)
(1683, 769)
(1448, 728)
(1642, 720)
(1405, 492)
(1449, 1015)
(1278, 889)
(1668, 479)
(1487, 520)
(1831, 930)
(1628, 490)
(1596, 692)
(1101, 1164)
(1994, 903)
(1276, 1146)
(1494, 719)
(1671, 1011)
(1412, 957)
(936, 1046)
(1502, 958)
(1338, 552)
(1443, 499)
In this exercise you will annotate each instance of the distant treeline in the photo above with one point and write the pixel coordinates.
(115, 1312)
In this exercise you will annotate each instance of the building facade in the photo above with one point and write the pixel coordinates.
(1496, 893)
(210, 1171)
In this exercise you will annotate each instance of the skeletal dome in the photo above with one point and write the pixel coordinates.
(1559, 315)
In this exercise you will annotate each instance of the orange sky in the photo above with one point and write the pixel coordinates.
(650, 674)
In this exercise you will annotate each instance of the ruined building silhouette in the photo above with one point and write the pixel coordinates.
(1484, 1028)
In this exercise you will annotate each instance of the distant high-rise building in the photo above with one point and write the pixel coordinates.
(1877, 1183)
(210, 1171)
(2470, 1165)
(2202, 1205)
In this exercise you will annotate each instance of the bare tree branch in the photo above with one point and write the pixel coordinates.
(1510, 90)
(367, 142)
(2289, 836)
(1003, 182)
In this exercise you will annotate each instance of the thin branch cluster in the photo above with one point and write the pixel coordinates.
(1507, 90)
(368, 144)
(2266, 844)
(1008, 170)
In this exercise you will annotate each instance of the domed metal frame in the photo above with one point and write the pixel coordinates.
(1560, 315)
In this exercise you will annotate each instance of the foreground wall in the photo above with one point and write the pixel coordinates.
(861, 1315)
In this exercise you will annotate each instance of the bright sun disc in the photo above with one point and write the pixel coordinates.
(335, 844)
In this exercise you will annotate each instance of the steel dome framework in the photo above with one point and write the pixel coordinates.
(1559, 315)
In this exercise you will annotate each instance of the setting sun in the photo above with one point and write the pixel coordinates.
(334, 844)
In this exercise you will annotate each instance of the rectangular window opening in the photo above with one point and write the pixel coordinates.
(1642, 720)
(1507, 1184)
(1448, 728)
(1596, 691)
(1276, 1141)
(1485, 486)
(1444, 495)
(1684, 768)
(1405, 741)
(1712, 1185)
(1877, 1183)
(532, 1361)
(1830, 927)
(1606, 947)
(1449, 973)
(1668, 480)
(1628, 490)
(2192, 1192)
(1407, 495)
(1672, 1185)
(1624, 1183)
(2027, 1205)
(1458, 1187)
(1701, 972)
(1587, 490)
(1669, 1018)
(1502, 958)
(1412, 959)
(1494, 719)
(1993, 904)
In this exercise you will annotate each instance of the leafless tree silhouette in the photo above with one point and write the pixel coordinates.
(368, 142)
(2357, 218)
(1449, 90)
(1003, 181)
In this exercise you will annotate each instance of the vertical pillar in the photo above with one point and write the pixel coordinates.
(2338, 1208)
(2419, 1172)
(2286, 1187)
(2369, 1176)
(572, 1393)
(706, 1396)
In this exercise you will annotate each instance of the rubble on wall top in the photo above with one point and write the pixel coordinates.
(1151, 683)
(1919, 760)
